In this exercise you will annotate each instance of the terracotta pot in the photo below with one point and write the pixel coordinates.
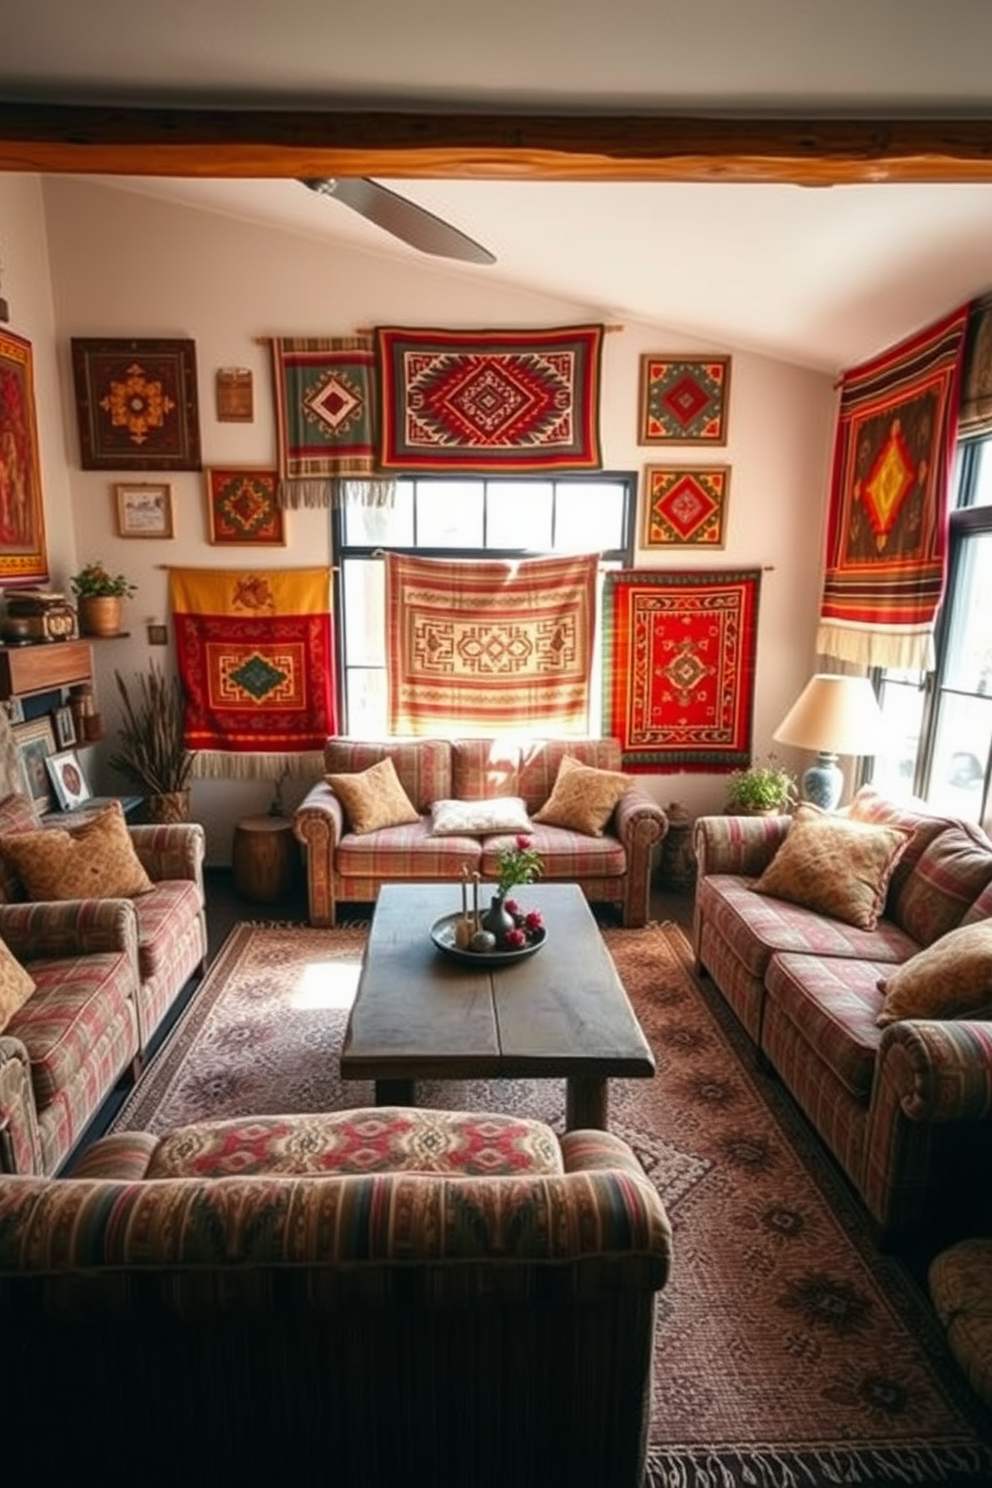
(100, 615)
(172, 807)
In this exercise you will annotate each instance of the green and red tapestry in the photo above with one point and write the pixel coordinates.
(887, 529)
(489, 401)
(683, 400)
(480, 647)
(256, 659)
(679, 667)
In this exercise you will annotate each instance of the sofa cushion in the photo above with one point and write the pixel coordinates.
(479, 818)
(950, 873)
(95, 860)
(960, 1283)
(165, 917)
(17, 814)
(410, 853)
(834, 865)
(81, 1019)
(422, 765)
(913, 816)
(16, 985)
(373, 798)
(584, 798)
(949, 979)
(833, 1002)
(568, 856)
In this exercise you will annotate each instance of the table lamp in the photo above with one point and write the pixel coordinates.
(834, 714)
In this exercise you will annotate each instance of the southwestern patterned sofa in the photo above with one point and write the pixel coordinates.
(368, 1298)
(344, 866)
(904, 1106)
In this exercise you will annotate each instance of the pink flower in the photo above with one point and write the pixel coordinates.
(522, 841)
(511, 906)
(516, 938)
(533, 920)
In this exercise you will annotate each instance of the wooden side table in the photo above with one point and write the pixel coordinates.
(265, 858)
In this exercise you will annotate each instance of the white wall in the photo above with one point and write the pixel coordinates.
(124, 265)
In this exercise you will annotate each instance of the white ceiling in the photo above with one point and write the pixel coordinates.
(822, 277)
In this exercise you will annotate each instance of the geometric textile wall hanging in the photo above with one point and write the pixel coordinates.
(684, 507)
(679, 655)
(256, 660)
(136, 404)
(683, 400)
(489, 401)
(479, 647)
(241, 506)
(887, 522)
(23, 558)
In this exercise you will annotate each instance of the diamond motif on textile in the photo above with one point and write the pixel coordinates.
(892, 477)
(491, 400)
(685, 671)
(334, 401)
(684, 400)
(685, 506)
(258, 677)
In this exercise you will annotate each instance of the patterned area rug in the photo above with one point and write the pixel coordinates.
(790, 1354)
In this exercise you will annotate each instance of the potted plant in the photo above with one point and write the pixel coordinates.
(762, 789)
(99, 596)
(150, 747)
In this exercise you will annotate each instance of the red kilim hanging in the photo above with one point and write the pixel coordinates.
(679, 664)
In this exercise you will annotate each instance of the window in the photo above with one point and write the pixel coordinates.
(467, 518)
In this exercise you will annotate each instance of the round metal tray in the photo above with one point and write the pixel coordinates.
(443, 936)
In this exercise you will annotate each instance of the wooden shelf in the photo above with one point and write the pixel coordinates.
(43, 667)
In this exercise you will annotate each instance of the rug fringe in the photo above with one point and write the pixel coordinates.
(702, 1468)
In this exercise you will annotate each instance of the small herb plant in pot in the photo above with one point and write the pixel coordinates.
(99, 596)
(762, 789)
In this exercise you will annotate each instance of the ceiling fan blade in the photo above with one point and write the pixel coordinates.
(406, 221)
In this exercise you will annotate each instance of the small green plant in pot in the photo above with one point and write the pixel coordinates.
(762, 788)
(150, 749)
(99, 596)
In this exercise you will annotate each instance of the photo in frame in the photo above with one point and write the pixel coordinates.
(35, 742)
(241, 507)
(23, 553)
(64, 726)
(136, 404)
(684, 507)
(144, 509)
(71, 786)
(683, 399)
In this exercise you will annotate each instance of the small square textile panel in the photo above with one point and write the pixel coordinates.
(684, 508)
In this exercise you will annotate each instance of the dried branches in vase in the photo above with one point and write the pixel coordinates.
(150, 750)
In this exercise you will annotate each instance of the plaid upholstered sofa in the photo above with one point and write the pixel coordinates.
(107, 970)
(905, 1108)
(370, 1298)
(343, 866)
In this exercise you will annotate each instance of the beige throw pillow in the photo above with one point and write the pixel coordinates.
(583, 798)
(479, 818)
(951, 978)
(834, 865)
(16, 985)
(373, 798)
(95, 860)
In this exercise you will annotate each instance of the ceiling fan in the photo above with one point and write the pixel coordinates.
(406, 221)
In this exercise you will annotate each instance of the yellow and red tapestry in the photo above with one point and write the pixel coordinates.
(256, 659)
(887, 530)
(678, 667)
(478, 647)
(483, 401)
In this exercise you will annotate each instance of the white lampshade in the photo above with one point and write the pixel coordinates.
(834, 714)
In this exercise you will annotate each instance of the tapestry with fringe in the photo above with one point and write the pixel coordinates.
(256, 659)
(325, 403)
(679, 653)
(887, 522)
(480, 647)
(485, 401)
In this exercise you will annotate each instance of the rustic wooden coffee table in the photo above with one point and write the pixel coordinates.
(419, 1015)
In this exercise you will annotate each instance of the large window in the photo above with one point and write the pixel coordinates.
(941, 722)
(469, 518)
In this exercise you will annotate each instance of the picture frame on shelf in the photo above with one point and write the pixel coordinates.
(68, 779)
(144, 509)
(64, 726)
(35, 741)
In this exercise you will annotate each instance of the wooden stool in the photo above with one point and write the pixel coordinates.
(265, 858)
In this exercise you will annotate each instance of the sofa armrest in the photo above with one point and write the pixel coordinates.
(70, 927)
(318, 823)
(741, 845)
(639, 822)
(173, 851)
(939, 1070)
(20, 1138)
(589, 1151)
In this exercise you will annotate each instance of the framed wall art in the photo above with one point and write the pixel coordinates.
(684, 507)
(64, 726)
(144, 509)
(23, 555)
(241, 507)
(71, 785)
(683, 399)
(35, 742)
(136, 404)
(233, 386)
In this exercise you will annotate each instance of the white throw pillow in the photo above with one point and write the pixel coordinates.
(479, 818)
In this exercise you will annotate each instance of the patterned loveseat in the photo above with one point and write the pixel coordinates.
(905, 1108)
(342, 866)
(368, 1298)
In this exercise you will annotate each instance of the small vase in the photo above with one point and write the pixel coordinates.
(168, 808)
(498, 920)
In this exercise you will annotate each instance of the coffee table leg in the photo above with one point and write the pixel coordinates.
(394, 1093)
(585, 1103)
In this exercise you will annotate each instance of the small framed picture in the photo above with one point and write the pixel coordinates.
(35, 742)
(64, 726)
(71, 788)
(144, 509)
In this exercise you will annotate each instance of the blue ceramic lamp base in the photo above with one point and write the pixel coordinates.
(823, 782)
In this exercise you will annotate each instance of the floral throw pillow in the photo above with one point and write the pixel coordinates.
(583, 798)
(950, 979)
(95, 860)
(374, 798)
(834, 865)
(479, 818)
(16, 985)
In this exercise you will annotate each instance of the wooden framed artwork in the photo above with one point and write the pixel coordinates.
(23, 555)
(683, 399)
(136, 404)
(684, 507)
(241, 507)
(71, 785)
(144, 509)
(64, 726)
(234, 395)
(35, 742)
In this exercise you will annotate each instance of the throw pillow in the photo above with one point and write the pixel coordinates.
(479, 818)
(834, 865)
(583, 798)
(16, 985)
(95, 860)
(373, 798)
(951, 978)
